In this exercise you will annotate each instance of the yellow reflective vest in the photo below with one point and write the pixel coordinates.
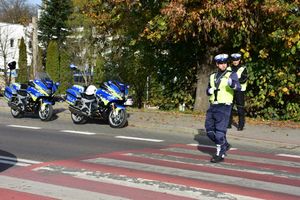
(223, 93)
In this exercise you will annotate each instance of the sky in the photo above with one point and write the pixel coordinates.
(35, 2)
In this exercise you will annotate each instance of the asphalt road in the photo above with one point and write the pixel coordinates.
(58, 159)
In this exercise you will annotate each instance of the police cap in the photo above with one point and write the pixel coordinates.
(235, 56)
(221, 58)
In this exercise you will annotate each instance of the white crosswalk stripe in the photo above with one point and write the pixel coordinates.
(175, 172)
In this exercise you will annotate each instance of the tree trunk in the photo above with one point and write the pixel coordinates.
(203, 71)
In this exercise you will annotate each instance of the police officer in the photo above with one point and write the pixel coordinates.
(239, 96)
(220, 90)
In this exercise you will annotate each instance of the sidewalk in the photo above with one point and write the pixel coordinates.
(194, 124)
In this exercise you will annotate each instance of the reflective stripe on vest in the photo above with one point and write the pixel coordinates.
(224, 93)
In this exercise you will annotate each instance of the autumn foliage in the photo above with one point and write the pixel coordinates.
(267, 33)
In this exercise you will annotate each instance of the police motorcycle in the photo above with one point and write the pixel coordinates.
(108, 102)
(37, 96)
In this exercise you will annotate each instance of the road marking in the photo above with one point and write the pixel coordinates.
(200, 145)
(173, 170)
(17, 161)
(78, 132)
(288, 155)
(51, 190)
(28, 127)
(148, 185)
(137, 138)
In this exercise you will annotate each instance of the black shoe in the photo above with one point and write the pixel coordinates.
(240, 128)
(217, 159)
(228, 147)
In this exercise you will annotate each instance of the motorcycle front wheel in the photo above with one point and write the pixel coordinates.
(117, 118)
(16, 113)
(78, 119)
(45, 114)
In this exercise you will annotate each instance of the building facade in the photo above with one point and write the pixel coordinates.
(10, 38)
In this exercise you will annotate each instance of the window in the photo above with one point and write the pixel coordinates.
(30, 44)
(11, 42)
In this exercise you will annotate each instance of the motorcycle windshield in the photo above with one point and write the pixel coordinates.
(116, 89)
(45, 78)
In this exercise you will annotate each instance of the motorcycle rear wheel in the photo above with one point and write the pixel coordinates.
(78, 119)
(16, 113)
(46, 114)
(117, 118)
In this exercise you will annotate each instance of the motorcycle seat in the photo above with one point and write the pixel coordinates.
(23, 86)
(22, 92)
(89, 97)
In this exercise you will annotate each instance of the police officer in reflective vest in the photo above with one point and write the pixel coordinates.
(220, 90)
(239, 96)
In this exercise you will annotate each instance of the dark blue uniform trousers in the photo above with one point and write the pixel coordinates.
(216, 122)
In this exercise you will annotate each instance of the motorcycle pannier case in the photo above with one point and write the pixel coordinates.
(11, 90)
(74, 93)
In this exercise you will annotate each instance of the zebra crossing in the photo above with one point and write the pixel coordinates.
(174, 172)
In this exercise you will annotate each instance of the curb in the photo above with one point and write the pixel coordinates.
(194, 125)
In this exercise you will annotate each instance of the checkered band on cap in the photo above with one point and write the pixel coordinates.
(221, 58)
(236, 56)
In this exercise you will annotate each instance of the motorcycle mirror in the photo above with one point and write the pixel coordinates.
(12, 65)
(73, 67)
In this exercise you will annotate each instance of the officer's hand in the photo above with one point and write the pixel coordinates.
(211, 90)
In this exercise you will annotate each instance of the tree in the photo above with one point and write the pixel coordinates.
(52, 60)
(183, 37)
(98, 76)
(66, 77)
(207, 26)
(40, 65)
(274, 85)
(16, 11)
(266, 32)
(82, 42)
(53, 21)
(119, 23)
(23, 73)
(53, 26)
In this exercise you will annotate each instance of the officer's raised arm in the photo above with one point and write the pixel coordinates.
(233, 81)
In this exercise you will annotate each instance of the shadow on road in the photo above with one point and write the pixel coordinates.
(202, 139)
(35, 115)
(58, 110)
(102, 122)
(7, 160)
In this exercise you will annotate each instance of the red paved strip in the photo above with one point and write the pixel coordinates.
(241, 163)
(250, 163)
(219, 187)
(11, 194)
(238, 152)
(94, 186)
(208, 169)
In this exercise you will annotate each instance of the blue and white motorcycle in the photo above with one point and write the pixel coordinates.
(107, 102)
(35, 96)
